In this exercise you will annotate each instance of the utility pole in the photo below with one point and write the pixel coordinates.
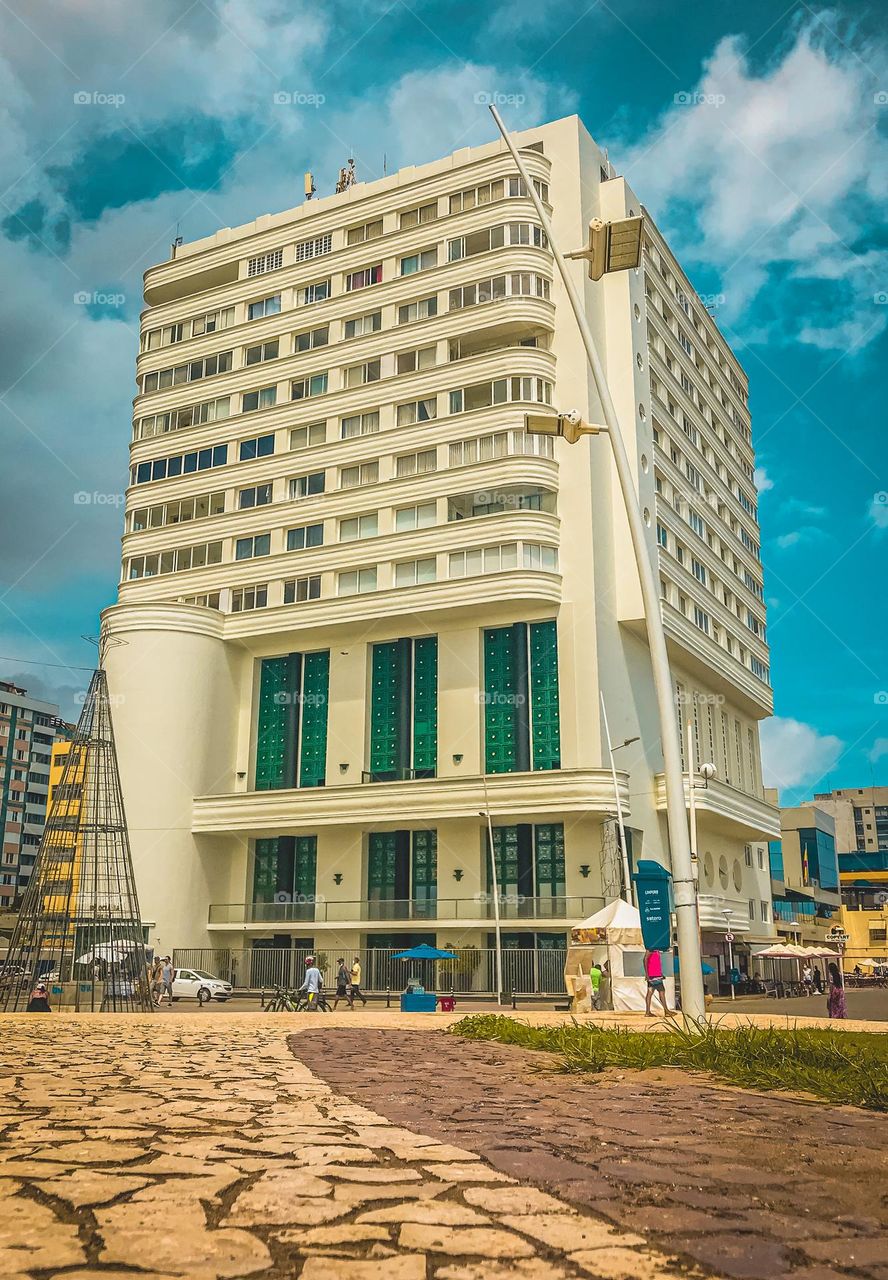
(684, 887)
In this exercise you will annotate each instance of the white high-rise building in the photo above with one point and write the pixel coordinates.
(352, 585)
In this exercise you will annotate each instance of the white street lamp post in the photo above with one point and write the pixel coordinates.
(729, 938)
(624, 852)
(685, 895)
(494, 880)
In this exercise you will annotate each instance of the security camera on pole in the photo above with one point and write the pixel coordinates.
(617, 247)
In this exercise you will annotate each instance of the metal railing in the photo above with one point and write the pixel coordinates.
(525, 969)
(318, 909)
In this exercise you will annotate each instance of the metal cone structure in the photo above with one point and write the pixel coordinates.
(79, 930)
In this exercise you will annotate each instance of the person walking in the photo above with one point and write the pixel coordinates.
(835, 1000)
(808, 978)
(595, 983)
(312, 984)
(653, 972)
(344, 989)
(167, 978)
(157, 982)
(38, 1002)
(356, 982)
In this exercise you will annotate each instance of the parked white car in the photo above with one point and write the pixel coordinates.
(194, 984)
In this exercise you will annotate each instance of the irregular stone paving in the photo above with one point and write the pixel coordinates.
(746, 1184)
(140, 1148)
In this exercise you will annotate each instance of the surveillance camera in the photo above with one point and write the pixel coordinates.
(708, 771)
(572, 416)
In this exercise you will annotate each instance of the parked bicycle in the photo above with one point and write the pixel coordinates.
(282, 1001)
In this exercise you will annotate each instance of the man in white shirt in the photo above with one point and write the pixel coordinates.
(312, 984)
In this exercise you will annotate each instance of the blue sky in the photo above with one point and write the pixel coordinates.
(756, 136)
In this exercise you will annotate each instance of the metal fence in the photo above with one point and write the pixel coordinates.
(525, 969)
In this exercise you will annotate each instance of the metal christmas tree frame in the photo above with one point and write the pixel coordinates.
(79, 929)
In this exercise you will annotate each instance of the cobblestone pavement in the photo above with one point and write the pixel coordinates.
(744, 1184)
(145, 1148)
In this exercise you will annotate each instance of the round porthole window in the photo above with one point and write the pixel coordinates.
(637, 311)
(723, 871)
(639, 361)
(644, 463)
(707, 867)
(642, 412)
(738, 875)
(646, 515)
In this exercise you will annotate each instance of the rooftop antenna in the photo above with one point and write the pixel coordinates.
(176, 243)
(347, 177)
(310, 187)
(384, 165)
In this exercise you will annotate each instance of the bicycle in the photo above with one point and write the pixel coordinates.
(282, 1001)
(305, 1003)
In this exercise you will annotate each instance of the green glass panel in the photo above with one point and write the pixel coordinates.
(305, 866)
(505, 848)
(425, 705)
(545, 722)
(385, 710)
(500, 692)
(278, 689)
(425, 866)
(315, 698)
(549, 859)
(381, 852)
(265, 871)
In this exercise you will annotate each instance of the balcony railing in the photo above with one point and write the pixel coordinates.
(319, 910)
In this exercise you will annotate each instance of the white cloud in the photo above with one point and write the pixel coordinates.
(768, 177)
(803, 536)
(794, 753)
(762, 480)
(878, 750)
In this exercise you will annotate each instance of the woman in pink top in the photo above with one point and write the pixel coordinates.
(653, 971)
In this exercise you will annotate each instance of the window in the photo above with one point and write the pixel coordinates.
(403, 709)
(698, 570)
(196, 327)
(186, 416)
(250, 548)
(193, 371)
(759, 669)
(696, 523)
(499, 444)
(484, 394)
(300, 589)
(414, 464)
(418, 217)
(766, 912)
(308, 535)
(311, 339)
(460, 201)
(355, 527)
(363, 279)
(305, 437)
(265, 262)
(358, 326)
(685, 342)
(476, 242)
(662, 536)
(468, 564)
(359, 424)
(358, 375)
(264, 398)
(260, 447)
(291, 750)
(368, 231)
(521, 709)
(244, 599)
(747, 853)
(317, 292)
(308, 486)
(258, 496)
(356, 582)
(422, 309)
(702, 619)
(180, 464)
(207, 504)
(422, 516)
(519, 284)
(264, 307)
(316, 248)
(354, 477)
(412, 361)
(694, 476)
(417, 411)
(412, 573)
(517, 188)
(305, 388)
(174, 561)
(414, 262)
(261, 352)
(539, 556)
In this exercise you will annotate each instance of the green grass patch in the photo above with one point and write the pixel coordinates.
(840, 1066)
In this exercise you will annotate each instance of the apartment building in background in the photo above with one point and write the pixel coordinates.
(361, 603)
(805, 874)
(29, 727)
(860, 815)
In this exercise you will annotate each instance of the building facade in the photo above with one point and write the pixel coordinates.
(805, 875)
(860, 815)
(363, 607)
(29, 728)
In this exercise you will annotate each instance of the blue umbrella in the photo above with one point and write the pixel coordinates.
(425, 952)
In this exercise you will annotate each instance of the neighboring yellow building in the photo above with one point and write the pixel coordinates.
(805, 875)
(68, 807)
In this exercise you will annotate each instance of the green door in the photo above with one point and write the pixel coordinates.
(381, 857)
(315, 698)
(549, 864)
(424, 873)
(545, 722)
(278, 722)
(500, 695)
(425, 706)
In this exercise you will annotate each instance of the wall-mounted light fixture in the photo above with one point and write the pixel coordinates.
(343, 768)
(337, 877)
(458, 874)
(584, 870)
(241, 773)
(457, 757)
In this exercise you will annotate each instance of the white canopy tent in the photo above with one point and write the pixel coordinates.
(612, 937)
